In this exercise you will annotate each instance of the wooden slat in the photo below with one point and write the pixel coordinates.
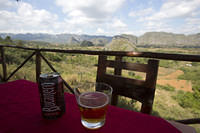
(1, 79)
(19, 47)
(150, 82)
(123, 87)
(38, 65)
(180, 57)
(101, 67)
(117, 71)
(151, 76)
(167, 56)
(128, 66)
(3, 64)
(121, 79)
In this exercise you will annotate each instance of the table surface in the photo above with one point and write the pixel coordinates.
(20, 112)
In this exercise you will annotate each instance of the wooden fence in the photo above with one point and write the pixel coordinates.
(39, 56)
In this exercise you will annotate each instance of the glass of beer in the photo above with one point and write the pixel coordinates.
(93, 100)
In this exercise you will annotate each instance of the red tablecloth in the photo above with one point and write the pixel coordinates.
(20, 113)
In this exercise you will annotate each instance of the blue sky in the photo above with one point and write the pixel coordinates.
(100, 17)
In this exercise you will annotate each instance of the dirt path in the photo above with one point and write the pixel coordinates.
(170, 77)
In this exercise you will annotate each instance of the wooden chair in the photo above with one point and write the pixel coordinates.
(140, 90)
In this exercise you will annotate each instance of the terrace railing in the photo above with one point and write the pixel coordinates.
(39, 56)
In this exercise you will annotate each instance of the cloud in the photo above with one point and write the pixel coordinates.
(90, 15)
(176, 9)
(192, 25)
(5, 4)
(143, 12)
(100, 17)
(117, 23)
(90, 10)
(26, 19)
(193, 21)
(22, 17)
(100, 31)
(184, 13)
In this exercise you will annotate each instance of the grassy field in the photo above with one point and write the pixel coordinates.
(174, 82)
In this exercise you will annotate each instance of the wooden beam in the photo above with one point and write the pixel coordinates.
(3, 64)
(117, 71)
(38, 65)
(167, 56)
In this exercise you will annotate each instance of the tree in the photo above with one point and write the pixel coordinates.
(20, 43)
(8, 39)
(87, 43)
(1, 39)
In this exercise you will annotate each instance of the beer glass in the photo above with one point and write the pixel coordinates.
(93, 100)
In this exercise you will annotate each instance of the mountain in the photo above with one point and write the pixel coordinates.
(155, 39)
(72, 40)
(59, 38)
(131, 38)
(123, 43)
(168, 39)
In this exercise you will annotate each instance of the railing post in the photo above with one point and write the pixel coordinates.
(117, 71)
(3, 64)
(38, 65)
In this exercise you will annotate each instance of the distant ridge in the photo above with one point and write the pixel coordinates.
(59, 38)
(163, 38)
(160, 39)
(123, 43)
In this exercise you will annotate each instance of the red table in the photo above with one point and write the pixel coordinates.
(20, 113)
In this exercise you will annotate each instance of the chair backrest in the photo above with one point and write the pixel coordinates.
(140, 90)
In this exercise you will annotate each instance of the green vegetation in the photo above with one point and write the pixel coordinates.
(192, 73)
(167, 87)
(87, 43)
(189, 100)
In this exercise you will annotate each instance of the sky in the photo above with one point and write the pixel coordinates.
(100, 17)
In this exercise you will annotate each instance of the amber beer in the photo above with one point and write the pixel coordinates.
(93, 107)
(51, 95)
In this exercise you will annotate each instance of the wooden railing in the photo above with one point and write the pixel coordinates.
(39, 56)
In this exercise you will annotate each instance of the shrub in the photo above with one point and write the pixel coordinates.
(189, 100)
(127, 104)
(167, 87)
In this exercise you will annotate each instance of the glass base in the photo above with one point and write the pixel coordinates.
(92, 125)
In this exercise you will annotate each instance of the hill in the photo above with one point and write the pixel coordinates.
(149, 39)
(169, 39)
(59, 38)
(122, 43)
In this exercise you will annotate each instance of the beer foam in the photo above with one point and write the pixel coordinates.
(88, 96)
